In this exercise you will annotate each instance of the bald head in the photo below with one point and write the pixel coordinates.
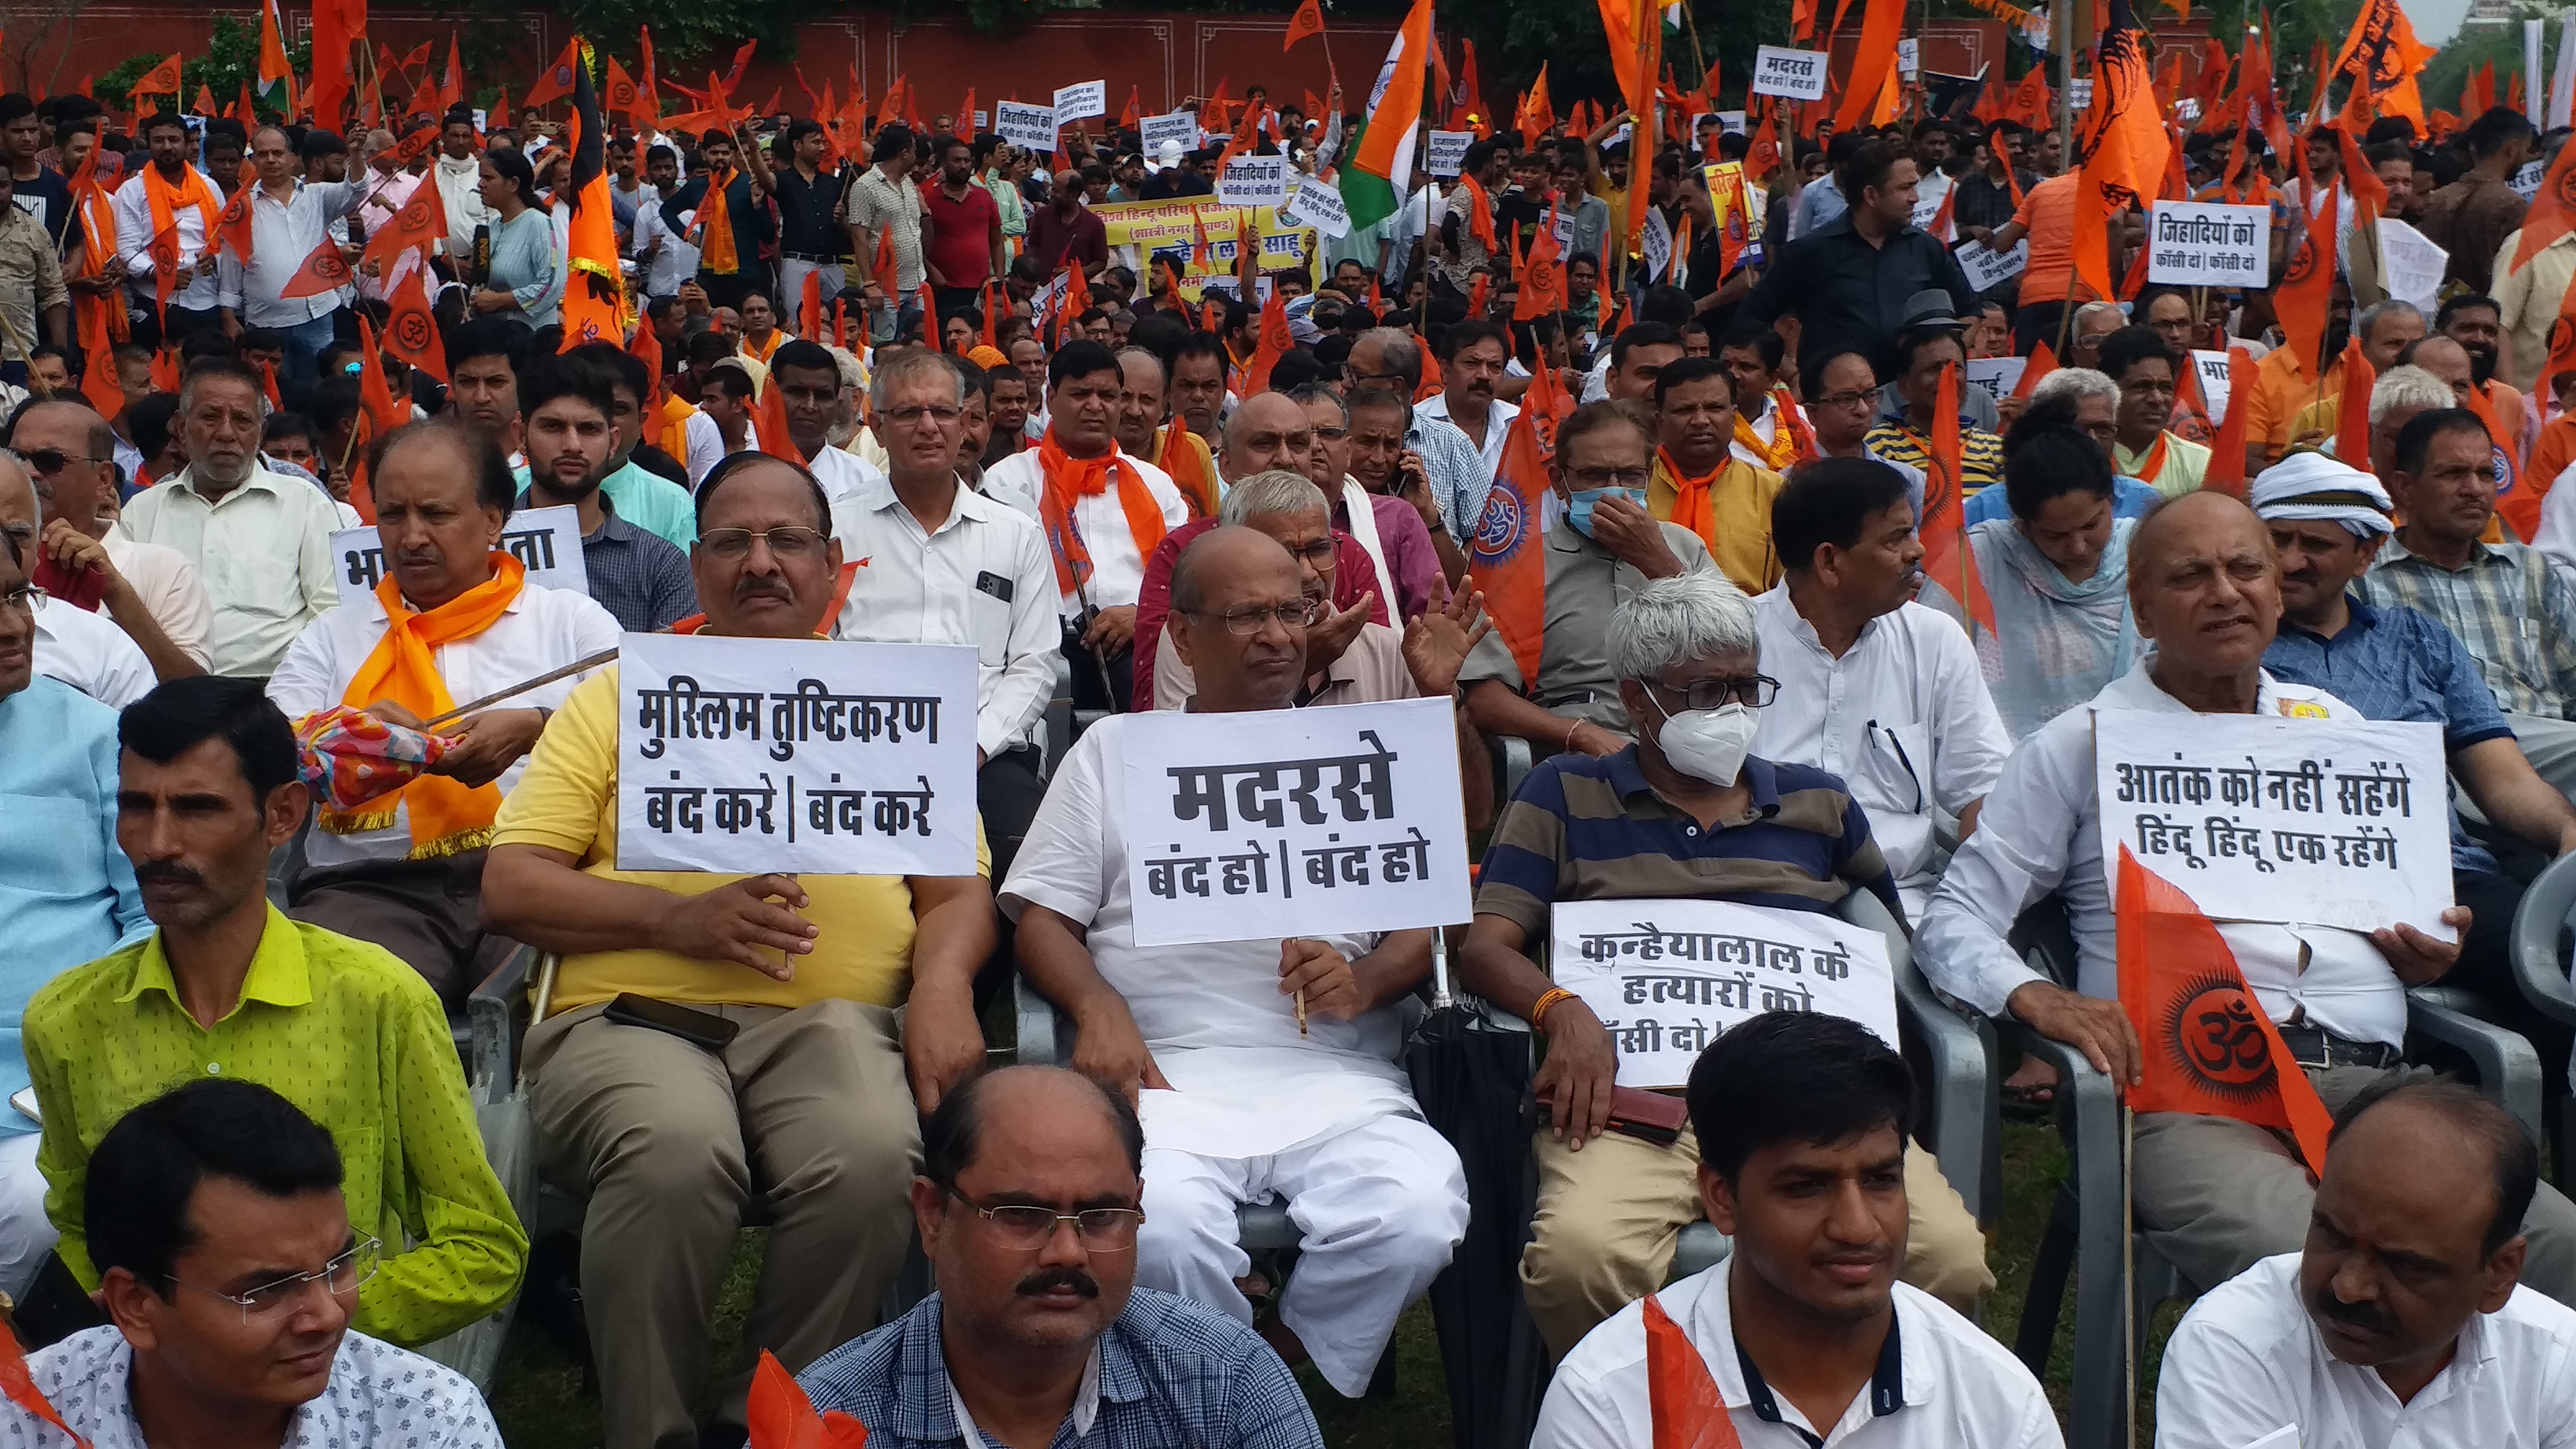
(1226, 555)
(1266, 431)
(2204, 584)
(2447, 360)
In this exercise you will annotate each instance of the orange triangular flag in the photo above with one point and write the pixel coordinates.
(1504, 554)
(2352, 413)
(1683, 1406)
(781, 1417)
(322, 271)
(769, 411)
(1947, 559)
(1308, 21)
(2043, 361)
(2227, 454)
(2178, 976)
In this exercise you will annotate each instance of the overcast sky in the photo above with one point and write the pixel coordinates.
(2435, 21)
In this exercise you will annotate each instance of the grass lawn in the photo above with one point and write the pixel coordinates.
(543, 1402)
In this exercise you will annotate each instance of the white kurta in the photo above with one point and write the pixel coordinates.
(1117, 564)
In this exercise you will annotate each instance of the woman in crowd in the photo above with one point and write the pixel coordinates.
(2057, 572)
(524, 281)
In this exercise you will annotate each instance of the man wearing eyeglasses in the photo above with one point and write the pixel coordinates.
(1029, 1204)
(151, 592)
(811, 1104)
(1238, 1103)
(1687, 811)
(1841, 393)
(231, 1274)
(75, 645)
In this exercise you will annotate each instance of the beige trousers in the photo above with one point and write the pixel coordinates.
(806, 1111)
(1608, 1217)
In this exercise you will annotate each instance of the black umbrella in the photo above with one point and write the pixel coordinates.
(1472, 1079)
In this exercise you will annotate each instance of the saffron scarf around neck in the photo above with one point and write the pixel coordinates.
(1694, 499)
(164, 199)
(716, 249)
(446, 817)
(1069, 479)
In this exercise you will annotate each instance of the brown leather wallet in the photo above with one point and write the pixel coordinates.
(1646, 1116)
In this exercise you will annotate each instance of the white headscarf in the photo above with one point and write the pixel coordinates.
(2308, 486)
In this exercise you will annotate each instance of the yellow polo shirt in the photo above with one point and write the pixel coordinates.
(348, 1033)
(567, 801)
(1740, 509)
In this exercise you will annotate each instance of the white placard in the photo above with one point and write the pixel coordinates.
(1731, 121)
(2215, 380)
(744, 756)
(1253, 181)
(1564, 228)
(2079, 94)
(546, 540)
(1997, 375)
(1031, 127)
(1796, 74)
(2208, 244)
(1316, 204)
(1656, 241)
(2527, 180)
(983, 121)
(2413, 265)
(1181, 126)
(1667, 976)
(2300, 821)
(2187, 109)
(1312, 822)
(1447, 154)
(1987, 270)
(1909, 57)
(1076, 103)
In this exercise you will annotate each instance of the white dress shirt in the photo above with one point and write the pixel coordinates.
(844, 474)
(283, 234)
(134, 241)
(263, 552)
(167, 584)
(1245, 1082)
(982, 578)
(542, 630)
(2041, 831)
(378, 1395)
(460, 192)
(1903, 716)
(1947, 1384)
(1117, 566)
(2247, 1360)
(676, 262)
(88, 652)
(707, 446)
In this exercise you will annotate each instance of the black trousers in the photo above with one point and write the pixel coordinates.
(1007, 792)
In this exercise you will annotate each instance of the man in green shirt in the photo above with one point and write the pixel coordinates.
(228, 986)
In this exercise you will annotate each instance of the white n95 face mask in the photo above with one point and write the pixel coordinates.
(1709, 744)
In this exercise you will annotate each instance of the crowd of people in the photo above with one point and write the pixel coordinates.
(906, 388)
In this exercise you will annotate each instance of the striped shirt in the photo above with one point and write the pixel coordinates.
(1981, 453)
(2513, 612)
(1584, 829)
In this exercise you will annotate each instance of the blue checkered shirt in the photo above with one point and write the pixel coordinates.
(2506, 604)
(1457, 473)
(1173, 1375)
(2398, 664)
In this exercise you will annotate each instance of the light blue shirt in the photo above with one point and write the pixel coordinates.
(2129, 499)
(646, 499)
(67, 893)
(525, 265)
(1818, 204)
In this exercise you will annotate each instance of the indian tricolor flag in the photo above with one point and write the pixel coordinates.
(1395, 104)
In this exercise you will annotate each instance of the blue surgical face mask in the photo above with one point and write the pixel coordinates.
(1580, 503)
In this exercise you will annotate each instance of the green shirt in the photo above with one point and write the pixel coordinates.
(344, 1030)
(648, 500)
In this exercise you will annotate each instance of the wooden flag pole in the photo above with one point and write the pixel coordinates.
(2129, 1270)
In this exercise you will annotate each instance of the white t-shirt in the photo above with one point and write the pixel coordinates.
(2248, 1360)
(1950, 1385)
(88, 652)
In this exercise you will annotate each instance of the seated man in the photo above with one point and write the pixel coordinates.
(2502, 600)
(1841, 402)
(1686, 812)
(2214, 1194)
(1804, 1330)
(2145, 370)
(947, 565)
(1265, 433)
(79, 647)
(229, 986)
(1388, 529)
(1699, 482)
(1382, 462)
(452, 620)
(571, 419)
(1929, 343)
(1456, 472)
(230, 1272)
(1770, 429)
(1238, 1103)
(1148, 430)
(813, 398)
(1874, 688)
(1103, 511)
(1032, 1325)
(151, 592)
(67, 894)
(2328, 521)
(808, 1105)
(1604, 549)
(645, 498)
(2403, 1317)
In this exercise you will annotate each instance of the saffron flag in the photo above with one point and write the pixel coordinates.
(233, 225)
(2553, 209)
(2299, 300)
(781, 1417)
(769, 412)
(2043, 361)
(594, 295)
(421, 223)
(20, 1386)
(1506, 556)
(1308, 21)
(1275, 343)
(2227, 455)
(2352, 415)
(557, 81)
(1541, 278)
(2519, 506)
(411, 328)
(336, 25)
(1683, 1407)
(2206, 1046)
(160, 80)
(1947, 559)
(1881, 25)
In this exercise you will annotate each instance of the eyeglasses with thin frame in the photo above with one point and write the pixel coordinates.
(26, 598)
(1756, 691)
(913, 417)
(1592, 478)
(1845, 401)
(1247, 620)
(1028, 1228)
(784, 543)
(343, 1274)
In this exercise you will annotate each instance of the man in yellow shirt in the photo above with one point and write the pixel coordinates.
(2145, 447)
(808, 1103)
(229, 987)
(1700, 484)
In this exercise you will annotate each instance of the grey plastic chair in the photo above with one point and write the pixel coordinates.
(2540, 929)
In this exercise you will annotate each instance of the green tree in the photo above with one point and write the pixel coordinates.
(230, 62)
